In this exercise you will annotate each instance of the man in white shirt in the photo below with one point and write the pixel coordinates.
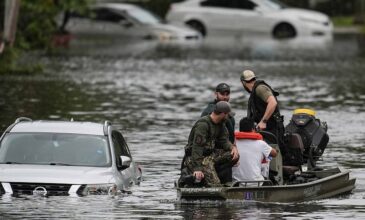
(252, 150)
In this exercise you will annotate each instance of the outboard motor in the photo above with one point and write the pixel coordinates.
(313, 134)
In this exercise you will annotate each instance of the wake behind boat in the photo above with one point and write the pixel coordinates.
(287, 183)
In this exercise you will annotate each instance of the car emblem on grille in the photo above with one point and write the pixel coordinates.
(40, 190)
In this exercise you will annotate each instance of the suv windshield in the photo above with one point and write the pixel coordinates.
(55, 149)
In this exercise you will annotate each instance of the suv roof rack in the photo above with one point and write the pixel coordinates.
(22, 119)
(106, 124)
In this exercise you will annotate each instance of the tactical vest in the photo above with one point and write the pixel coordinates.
(257, 107)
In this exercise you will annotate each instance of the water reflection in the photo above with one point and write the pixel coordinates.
(246, 46)
(361, 44)
(253, 210)
(263, 46)
(41, 96)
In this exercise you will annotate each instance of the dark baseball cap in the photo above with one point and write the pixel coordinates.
(223, 87)
(222, 107)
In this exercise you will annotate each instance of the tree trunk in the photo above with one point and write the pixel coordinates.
(10, 21)
(360, 12)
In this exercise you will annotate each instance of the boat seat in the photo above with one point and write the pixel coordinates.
(295, 141)
(269, 137)
(290, 170)
(294, 150)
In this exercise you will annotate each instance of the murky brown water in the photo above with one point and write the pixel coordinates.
(155, 93)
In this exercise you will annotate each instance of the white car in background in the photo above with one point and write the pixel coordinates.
(125, 21)
(211, 17)
(51, 158)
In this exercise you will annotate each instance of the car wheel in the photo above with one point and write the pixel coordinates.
(284, 30)
(198, 26)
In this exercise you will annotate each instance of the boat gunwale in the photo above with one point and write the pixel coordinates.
(293, 186)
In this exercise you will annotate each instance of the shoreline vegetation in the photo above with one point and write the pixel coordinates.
(345, 24)
(33, 34)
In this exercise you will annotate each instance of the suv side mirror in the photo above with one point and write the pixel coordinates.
(126, 162)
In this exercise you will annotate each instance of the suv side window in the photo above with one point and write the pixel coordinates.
(244, 4)
(120, 146)
(217, 3)
(104, 14)
(238, 4)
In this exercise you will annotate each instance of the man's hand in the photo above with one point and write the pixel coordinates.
(234, 153)
(199, 175)
(261, 126)
(270, 108)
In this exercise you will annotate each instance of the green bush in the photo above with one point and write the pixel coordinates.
(343, 21)
(35, 29)
(36, 22)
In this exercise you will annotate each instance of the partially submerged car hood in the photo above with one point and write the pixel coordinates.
(55, 174)
(306, 14)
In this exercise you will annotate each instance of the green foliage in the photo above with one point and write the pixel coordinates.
(35, 29)
(6, 60)
(9, 64)
(343, 21)
(36, 22)
(363, 29)
(347, 21)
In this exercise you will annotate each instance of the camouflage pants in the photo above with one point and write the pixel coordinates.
(209, 163)
(221, 156)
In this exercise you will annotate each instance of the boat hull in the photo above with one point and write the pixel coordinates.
(329, 183)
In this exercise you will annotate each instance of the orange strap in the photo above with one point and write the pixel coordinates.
(248, 135)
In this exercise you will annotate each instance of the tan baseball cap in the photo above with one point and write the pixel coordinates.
(247, 75)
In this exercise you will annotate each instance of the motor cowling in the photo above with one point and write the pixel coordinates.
(312, 131)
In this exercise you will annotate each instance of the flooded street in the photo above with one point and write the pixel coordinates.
(154, 94)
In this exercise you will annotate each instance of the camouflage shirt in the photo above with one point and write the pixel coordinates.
(204, 138)
(230, 122)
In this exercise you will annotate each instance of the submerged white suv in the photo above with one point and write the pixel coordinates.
(64, 158)
(232, 17)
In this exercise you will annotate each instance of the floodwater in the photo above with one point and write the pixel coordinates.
(154, 94)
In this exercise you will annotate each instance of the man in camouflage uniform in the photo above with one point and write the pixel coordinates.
(222, 93)
(208, 134)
